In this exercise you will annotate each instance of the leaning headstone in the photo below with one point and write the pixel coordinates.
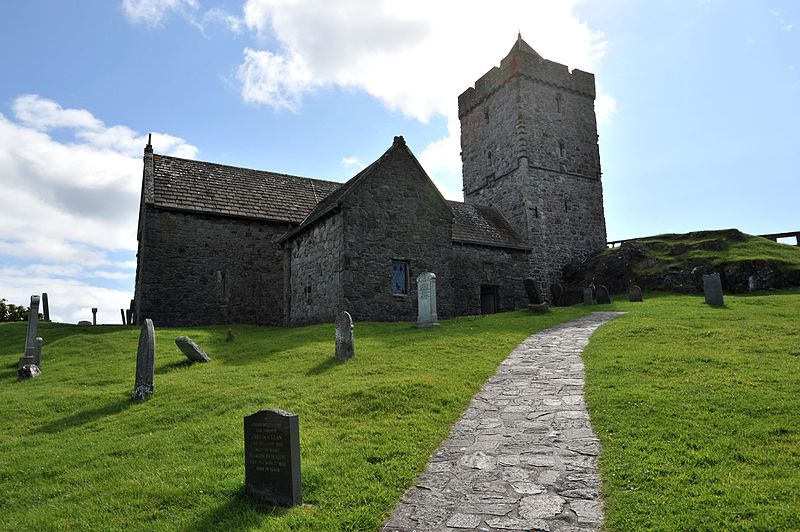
(587, 296)
(272, 457)
(602, 295)
(122, 315)
(426, 300)
(192, 351)
(635, 294)
(229, 335)
(28, 371)
(33, 347)
(45, 307)
(344, 336)
(712, 288)
(94, 316)
(145, 361)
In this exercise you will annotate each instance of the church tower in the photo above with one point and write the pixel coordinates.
(529, 149)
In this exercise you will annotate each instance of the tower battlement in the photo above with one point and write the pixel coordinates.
(523, 60)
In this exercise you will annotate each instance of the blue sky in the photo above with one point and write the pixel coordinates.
(699, 110)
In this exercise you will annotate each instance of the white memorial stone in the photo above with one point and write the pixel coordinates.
(426, 300)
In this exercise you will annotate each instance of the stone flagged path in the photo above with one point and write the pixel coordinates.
(523, 456)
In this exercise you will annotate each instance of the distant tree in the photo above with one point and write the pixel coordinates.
(12, 312)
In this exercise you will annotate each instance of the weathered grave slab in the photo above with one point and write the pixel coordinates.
(272, 457)
(712, 288)
(535, 301)
(635, 294)
(33, 343)
(345, 349)
(192, 351)
(45, 307)
(426, 300)
(587, 296)
(145, 362)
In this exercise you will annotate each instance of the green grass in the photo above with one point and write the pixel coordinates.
(77, 454)
(698, 413)
(715, 248)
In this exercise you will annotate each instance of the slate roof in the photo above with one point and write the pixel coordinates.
(189, 185)
(477, 224)
(230, 191)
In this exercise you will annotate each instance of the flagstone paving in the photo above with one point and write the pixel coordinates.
(523, 456)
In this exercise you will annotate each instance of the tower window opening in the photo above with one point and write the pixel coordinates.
(536, 212)
(566, 206)
(489, 156)
(562, 151)
(558, 103)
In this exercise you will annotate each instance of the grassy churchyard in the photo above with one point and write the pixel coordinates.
(696, 409)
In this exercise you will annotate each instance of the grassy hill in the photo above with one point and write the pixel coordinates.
(677, 262)
(696, 409)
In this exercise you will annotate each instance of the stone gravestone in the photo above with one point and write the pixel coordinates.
(712, 287)
(602, 295)
(45, 307)
(229, 337)
(33, 343)
(94, 316)
(145, 362)
(635, 294)
(426, 300)
(272, 457)
(587, 296)
(122, 315)
(192, 351)
(128, 317)
(557, 293)
(344, 336)
(535, 302)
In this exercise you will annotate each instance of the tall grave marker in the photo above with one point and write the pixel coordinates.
(145, 362)
(344, 336)
(45, 307)
(712, 288)
(33, 343)
(272, 457)
(426, 300)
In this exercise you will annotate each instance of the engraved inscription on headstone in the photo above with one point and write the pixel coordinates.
(344, 336)
(635, 294)
(145, 361)
(426, 300)
(712, 288)
(272, 457)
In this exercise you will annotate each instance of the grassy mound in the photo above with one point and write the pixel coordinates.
(677, 262)
(78, 454)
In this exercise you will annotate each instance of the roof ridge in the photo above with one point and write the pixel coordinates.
(246, 168)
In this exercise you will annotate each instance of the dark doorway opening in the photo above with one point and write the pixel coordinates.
(488, 299)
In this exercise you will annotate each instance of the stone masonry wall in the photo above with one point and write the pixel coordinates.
(395, 213)
(316, 268)
(180, 256)
(537, 119)
(481, 265)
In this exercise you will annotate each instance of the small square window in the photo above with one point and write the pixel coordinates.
(399, 277)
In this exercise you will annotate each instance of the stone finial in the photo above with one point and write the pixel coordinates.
(399, 141)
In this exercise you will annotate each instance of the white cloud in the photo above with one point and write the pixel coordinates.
(414, 56)
(353, 162)
(153, 12)
(69, 205)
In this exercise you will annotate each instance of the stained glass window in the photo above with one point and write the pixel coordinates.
(399, 277)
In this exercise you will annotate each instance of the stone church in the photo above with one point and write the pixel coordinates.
(221, 244)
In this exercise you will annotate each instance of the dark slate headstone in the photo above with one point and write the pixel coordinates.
(94, 316)
(45, 307)
(635, 294)
(33, 344)
(122, 315)
(128, 317)
(556, 292)
(272, 457)
(145, 362)
(602, 295)
(712, 288)
(532, 290)
(192, 351)
(344, 336)
(587, 296)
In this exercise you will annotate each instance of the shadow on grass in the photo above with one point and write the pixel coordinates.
(240, 512)
(324, 366)
(85, 416)
(166, 368)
